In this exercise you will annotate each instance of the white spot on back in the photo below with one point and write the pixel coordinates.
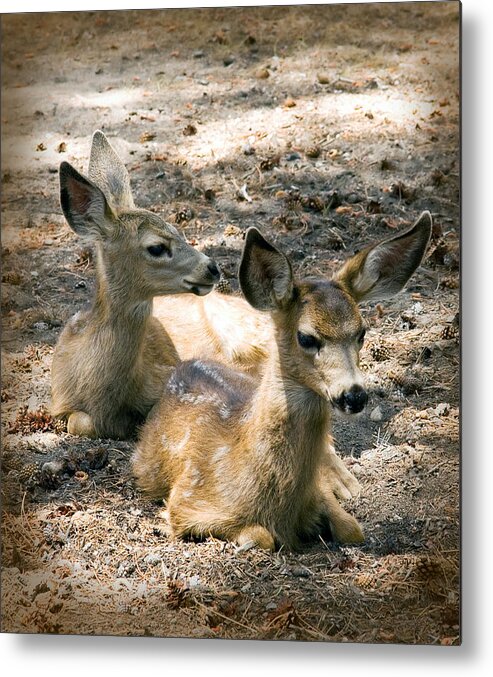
(220, 453)
(178, 447)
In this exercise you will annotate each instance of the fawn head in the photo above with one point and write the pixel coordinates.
(319, 327)
(132, 242)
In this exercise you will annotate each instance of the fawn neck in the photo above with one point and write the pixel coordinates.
(118, 308)
(286, 414)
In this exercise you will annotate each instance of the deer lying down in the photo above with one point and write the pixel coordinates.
(229, 330)
(246, 462)
(111, 361)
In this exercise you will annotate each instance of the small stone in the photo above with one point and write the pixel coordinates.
(442, 409)
(271, 606)
(262, 74)
(228, 60)
(300, 572)
(376, 414)
(199, 54)
(194, 582)
(152, 559)
(356, 469)
(41, 326)
(248, 149)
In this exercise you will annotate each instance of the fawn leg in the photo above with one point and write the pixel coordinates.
(340, 481)
(81, 424)
(344, 527)
(254, 536)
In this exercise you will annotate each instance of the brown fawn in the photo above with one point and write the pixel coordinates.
(111, 361)
(246, 461)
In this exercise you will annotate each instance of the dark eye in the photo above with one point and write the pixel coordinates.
(361, 336)
(308, 342)
(158, 250)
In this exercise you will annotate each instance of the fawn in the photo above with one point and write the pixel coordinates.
(111, 361)
(247, 462)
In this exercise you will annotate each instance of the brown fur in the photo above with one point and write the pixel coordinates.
(251, 464)
(111, 361)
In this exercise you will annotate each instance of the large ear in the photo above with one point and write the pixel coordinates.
(382, 270)
(84, 204)
(266, 278)
(108, 172)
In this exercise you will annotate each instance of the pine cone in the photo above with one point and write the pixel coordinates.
(428, 567)
(406, 383)
(450, 333)
(184, 214)
(450, 282)
(28, 472)
(380, 352)
(11, 461)
(314, 203)
(313, 151)
(268, 163)
(224, 286)
(177, 592)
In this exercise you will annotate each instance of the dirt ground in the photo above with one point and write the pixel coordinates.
(325, 126)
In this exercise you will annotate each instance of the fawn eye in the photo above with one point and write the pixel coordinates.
(361, 337)
(158, 250)
(308, 342)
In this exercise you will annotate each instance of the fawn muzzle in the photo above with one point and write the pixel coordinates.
(352, 401)
(203, 286)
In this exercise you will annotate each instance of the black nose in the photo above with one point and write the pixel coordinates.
(353, 400)
(214, 271)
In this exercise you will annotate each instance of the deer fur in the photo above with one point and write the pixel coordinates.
(112, 360)
(229, 330)
(248, 461)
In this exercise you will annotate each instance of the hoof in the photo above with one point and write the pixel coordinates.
(347, 530)
(81, 424)
(255, 537)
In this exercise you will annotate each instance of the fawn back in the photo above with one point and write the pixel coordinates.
(249, 462)
(111, 361)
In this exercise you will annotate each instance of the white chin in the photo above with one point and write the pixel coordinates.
(345, 414)
(198, 289)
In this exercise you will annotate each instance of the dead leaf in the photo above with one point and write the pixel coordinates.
(40, 146)
(62, 147)
(147, 136)
(190, 130)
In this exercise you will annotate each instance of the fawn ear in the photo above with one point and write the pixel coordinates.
(382, 270)
(266, 278)
(108, 172)
(84, 204)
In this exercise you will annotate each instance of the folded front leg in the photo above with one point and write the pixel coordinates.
(339, 479)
